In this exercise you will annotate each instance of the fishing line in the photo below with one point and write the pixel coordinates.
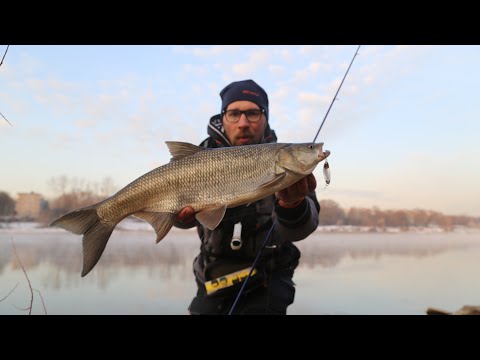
(326, 173)
(335, 97)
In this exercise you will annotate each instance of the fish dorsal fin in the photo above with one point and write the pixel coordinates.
(179, 150)
(161, 221)
(211, 217)
(274, 181)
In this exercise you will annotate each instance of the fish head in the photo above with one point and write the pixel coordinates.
(301, 158)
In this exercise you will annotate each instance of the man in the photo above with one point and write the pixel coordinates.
(228, 251)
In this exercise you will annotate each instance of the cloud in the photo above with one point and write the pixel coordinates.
(244, 69)
(308, 117)
(26, 67)
(62, 86)
(260, 56)
(319, 51)
(306, 49)
(197, 70)
(280, 93)
(131, 114)
(312, 70)
(37, 132)
(207, 109)
(256, 59)
(276, 70)
(12, 105)
(206, 52)
(316, 67)
(35, 84)
(85, 123)
(285, 54)
(313, 99)
(65, 140)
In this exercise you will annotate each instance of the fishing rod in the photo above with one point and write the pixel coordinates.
(326, 165)
(326, 173)
(335, 97)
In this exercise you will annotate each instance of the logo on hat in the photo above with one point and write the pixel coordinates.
(250, 92)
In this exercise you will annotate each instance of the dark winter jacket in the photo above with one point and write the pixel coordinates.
(217, 255)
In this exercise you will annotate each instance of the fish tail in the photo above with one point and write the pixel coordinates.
(95, 233)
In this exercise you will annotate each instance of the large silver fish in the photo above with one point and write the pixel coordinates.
(208, 180)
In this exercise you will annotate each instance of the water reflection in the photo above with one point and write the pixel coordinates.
(327, 250)
(137, 276)
(126, 250)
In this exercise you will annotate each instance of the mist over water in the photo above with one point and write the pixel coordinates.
(339, 273)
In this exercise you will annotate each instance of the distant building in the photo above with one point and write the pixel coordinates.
(29, 205)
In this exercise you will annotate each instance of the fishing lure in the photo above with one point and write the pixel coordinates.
(326, 173)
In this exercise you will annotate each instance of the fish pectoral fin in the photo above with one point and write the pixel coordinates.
(179, 150)
(274, 181)
(161, 222)
(211, 217)
(279, 170)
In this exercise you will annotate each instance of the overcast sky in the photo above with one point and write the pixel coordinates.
(404, 133)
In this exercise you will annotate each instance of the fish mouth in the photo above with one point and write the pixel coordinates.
(321, 155)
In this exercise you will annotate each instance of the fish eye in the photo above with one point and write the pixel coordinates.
(310, 147)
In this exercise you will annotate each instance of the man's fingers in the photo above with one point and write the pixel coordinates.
(186, 214)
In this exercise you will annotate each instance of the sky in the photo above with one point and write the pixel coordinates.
(403, 134)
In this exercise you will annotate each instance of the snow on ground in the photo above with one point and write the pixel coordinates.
(367, 229)
(124, 225)
(131, 224)
(21, 226)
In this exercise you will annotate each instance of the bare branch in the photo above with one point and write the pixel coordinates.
(1, 62)
(43, 303)
(11, 291)
(29, 284)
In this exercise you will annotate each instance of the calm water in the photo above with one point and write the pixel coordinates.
(339, 273)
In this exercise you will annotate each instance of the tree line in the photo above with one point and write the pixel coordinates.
(332, 214)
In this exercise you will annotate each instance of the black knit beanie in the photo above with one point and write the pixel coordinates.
(244, 90)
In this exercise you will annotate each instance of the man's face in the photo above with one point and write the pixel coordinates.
(244, 131)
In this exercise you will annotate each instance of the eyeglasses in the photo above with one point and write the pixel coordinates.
(253, 115)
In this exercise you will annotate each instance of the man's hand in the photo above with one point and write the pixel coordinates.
(293, 195)
(186, 215)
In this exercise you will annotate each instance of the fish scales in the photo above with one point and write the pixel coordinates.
(208, 180)
(209, 177)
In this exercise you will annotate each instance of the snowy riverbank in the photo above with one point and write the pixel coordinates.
(135, 225)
